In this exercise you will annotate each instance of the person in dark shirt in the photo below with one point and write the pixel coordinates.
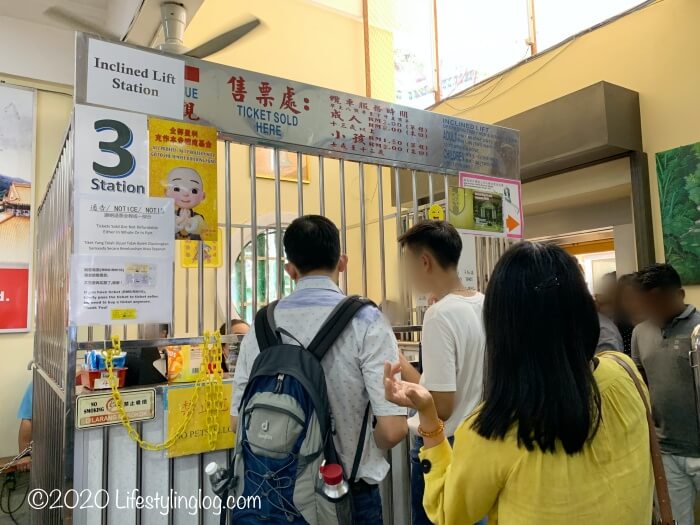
(237, 327)
(628, 311)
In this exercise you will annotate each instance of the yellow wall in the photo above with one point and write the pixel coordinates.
(650, 51)
(53, 112)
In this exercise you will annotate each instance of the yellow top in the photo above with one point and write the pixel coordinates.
(609, 483)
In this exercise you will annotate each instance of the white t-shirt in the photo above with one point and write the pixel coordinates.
(453, 344)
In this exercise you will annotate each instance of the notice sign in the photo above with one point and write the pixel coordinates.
(14, 297)
(97, 410)
(111, 152)
(466, 267)
(124, 226)
(124, 77)
(189, 253)
(194, 440)
(183, 168)
(119, 290)
(487, 206)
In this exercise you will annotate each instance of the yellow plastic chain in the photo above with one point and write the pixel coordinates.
(210, 382)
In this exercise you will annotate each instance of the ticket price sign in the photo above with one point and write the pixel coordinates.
(195, 441)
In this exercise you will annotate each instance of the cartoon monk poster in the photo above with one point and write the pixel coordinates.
(183, 168)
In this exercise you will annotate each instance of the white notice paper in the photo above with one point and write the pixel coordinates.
(466, 267)
(124, 226)
(118, 290)
(124, 77)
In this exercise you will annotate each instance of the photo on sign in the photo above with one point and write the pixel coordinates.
(475, 210)
(16, 174)
(183, 168)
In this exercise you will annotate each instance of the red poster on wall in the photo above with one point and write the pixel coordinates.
(14, 297)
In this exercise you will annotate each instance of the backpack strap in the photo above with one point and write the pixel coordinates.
(336, 323)
(265, 327)
(360, 446)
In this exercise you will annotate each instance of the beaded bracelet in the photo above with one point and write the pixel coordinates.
(432, 433)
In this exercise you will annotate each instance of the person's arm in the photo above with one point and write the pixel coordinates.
(408, 371)
(635, 354)
(439, 364)
(378, 345)
(466, 489)
(246, 355)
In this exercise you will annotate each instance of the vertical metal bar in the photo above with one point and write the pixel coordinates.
(187, 300)
(253, 226)
(321, 187)
(382, 262)
(415, 196)
(243, 305)
(171, 487)
(139, 472)
(300, 184)
(227, 258)
(447, 191)
(200, 484)
(343, 222)
(363, 226)
(278, 223)
(200, 288)
(105, 469)
(399, 231)
(430, 189)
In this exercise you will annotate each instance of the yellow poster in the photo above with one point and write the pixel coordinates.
(195, 439)
(189, 253)
(183, 168)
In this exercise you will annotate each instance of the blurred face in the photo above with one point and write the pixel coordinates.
(240, 329)
(631, 304)
(660, 306)
(419, 266)
(605, 299)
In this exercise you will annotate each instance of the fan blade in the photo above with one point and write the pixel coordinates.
(60, 15)
(223, 40)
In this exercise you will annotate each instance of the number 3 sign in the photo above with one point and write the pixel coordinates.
(111, 151)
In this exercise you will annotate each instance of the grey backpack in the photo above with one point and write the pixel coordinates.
(285, 427)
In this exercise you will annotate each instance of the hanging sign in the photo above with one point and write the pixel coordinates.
(14, 299)
(466, 267)
(183, 168)
(111, 155)
(194, 440)
(281, 112)
(189, 253)
(117, 290)
(129, 78)
(97, 410)
(126, 226)
(486, 206)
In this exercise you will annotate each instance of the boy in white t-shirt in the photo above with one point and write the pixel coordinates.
(453, 339)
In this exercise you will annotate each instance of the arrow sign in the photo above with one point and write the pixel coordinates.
(511, 223)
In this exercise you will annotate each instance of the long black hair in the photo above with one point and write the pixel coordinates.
(541, 334)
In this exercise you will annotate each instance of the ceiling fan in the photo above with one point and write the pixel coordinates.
(173, 20)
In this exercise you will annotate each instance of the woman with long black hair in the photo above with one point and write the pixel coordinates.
(561, 436)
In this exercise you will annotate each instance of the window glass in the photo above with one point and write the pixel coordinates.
(478, 38)
(557, 20)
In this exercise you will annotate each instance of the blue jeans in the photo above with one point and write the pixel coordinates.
(366, 504)
(418, 515)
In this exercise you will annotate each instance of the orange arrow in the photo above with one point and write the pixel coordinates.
(511, 223)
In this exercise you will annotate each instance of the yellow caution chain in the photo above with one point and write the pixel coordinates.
(211, 382)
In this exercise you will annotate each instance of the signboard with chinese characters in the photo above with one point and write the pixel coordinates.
(183, 168)
(116, 225)
(109, 289)
(258, 108)
(189, 253)
(97, 410)
(194, 440)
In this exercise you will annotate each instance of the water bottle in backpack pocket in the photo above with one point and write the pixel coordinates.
(285, 430)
